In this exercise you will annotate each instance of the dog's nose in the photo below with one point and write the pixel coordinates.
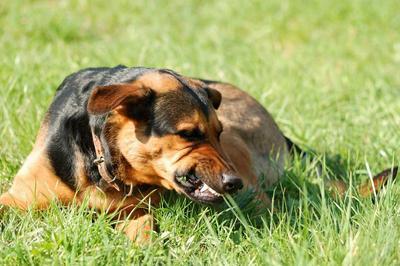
(231, 183)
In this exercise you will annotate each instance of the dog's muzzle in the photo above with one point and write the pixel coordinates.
(199, 189)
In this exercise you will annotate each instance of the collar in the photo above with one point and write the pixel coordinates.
(107, 180)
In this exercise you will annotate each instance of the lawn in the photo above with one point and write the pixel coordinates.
(328, 71)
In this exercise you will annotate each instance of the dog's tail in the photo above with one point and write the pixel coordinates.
(370, 187)
(338, 188)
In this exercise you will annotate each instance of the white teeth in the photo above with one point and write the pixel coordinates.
(204, 188)
(212, 191)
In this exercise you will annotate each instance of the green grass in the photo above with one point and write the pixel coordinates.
(328, 71)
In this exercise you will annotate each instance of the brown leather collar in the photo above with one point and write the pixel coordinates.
(107, 180)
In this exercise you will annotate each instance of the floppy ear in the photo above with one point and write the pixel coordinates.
(214, 96)
(106, 98)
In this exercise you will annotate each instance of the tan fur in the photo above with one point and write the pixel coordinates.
(138, 229)
(160, 82)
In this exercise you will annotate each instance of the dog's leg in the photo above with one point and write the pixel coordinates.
(132, 213)
(138, 227)
(35, 185)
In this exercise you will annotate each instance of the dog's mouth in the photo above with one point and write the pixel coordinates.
(196, 189)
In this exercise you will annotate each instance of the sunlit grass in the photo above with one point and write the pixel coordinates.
(328, 71)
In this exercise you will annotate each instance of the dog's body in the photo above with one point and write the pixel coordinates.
(153, 130)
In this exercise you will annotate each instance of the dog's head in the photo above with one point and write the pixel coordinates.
(165, 131)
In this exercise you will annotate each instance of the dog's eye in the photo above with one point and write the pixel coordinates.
(191, 134)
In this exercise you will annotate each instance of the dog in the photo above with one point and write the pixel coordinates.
(119, 137)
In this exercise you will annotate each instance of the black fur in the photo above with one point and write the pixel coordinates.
(171, 108)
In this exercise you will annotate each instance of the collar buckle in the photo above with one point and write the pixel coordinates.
(98, 160)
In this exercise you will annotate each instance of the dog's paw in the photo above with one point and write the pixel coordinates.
(138, 230)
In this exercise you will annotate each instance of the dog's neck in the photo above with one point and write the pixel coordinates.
(109, 179)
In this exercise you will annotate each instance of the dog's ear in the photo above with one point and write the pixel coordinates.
(106, 98)
(214, 96)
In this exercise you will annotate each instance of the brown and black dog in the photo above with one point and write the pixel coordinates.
(118, 137)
